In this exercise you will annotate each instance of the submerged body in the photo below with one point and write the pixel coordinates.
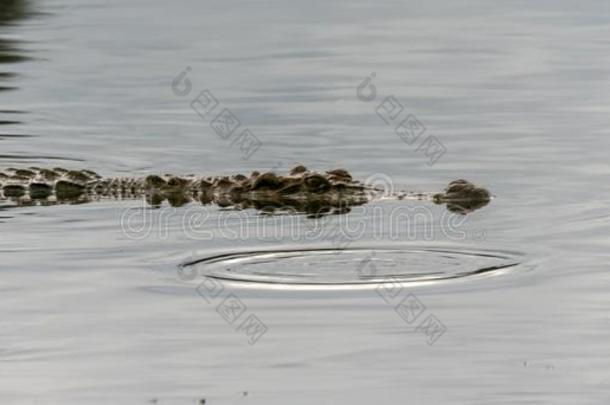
(301, 190)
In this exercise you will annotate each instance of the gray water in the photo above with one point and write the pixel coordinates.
(516, 92)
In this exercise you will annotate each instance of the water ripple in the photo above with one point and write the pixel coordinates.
(352, 267)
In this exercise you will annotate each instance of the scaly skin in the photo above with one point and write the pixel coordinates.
(300, 190)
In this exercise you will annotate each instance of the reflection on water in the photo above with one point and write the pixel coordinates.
(14, 10)
(11, 53)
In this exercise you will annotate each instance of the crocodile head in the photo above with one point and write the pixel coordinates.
(462, 197)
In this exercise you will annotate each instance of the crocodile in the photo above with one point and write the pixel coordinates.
(300, 190)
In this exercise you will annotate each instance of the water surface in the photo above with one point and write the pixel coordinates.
(517, 93)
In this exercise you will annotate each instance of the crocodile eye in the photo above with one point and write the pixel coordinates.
(177, 182)
(267, 181)
(298, 170)
(316, 183)
(154, 181)
(340, 174)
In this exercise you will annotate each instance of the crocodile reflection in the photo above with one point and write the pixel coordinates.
(299, 191)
